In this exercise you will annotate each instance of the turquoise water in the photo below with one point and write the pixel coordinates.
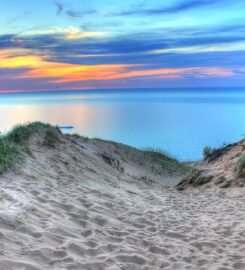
(180, 121)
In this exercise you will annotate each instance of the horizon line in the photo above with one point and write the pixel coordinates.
(2, 92)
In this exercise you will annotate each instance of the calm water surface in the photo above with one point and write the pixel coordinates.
(181, 122)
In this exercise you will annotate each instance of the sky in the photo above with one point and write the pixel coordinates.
(73, 44)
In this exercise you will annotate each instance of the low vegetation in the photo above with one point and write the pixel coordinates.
(212, 154)
(16, 141)
(51, 138)
(208, 151)
(240, 167)
(164, 160)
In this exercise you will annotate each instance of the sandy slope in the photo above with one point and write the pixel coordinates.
(218, 170)
(73, 208)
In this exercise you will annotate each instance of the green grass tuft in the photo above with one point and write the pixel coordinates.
(16, 141)
(8, 153)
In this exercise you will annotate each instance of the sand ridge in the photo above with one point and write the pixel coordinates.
(68, 208)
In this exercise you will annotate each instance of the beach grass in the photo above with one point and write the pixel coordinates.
(164, 159)
(16, 141)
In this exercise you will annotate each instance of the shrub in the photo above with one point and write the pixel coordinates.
(208, 151)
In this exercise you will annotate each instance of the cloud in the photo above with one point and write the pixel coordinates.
(78, 14)
(17, 18)
(36, 66)
(75, 33)
(31, 67)
(224, 47)
(60, 7)
(62, 40)
(214, 47)
(73, 14)
(176, 8)
(70, 55)
(45, 36)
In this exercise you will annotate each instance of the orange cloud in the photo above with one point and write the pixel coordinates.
(39, 67)
(214, 72)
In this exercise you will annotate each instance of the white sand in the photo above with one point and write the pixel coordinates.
(71, 210)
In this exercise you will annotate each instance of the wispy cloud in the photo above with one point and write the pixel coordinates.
(175, 8)
(17, 18)
(78, 14)
(70, 12)
(60, 7)
(73, 14)
(226, 47)
(58, 34)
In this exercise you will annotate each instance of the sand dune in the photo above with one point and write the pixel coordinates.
(88, 204)
(222, 168)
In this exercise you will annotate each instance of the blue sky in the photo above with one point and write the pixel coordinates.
(48, 45)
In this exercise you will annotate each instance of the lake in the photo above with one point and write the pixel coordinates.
(180, 121)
